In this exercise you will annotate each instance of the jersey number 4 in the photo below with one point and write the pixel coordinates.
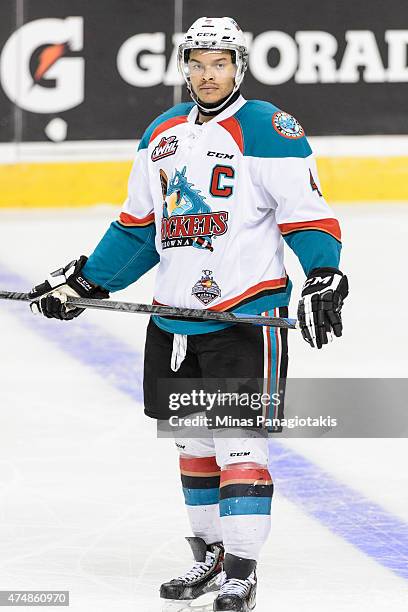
(219, 187)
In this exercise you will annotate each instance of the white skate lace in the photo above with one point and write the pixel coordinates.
(235, 586)
(199, 568)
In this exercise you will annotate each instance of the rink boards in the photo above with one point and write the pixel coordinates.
(351, 169)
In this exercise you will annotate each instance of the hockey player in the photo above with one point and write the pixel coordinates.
(216, 188)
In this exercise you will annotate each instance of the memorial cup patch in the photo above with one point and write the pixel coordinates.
(286, 125)
(206, 289)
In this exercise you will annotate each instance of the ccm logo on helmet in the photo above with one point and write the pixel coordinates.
(244, 454)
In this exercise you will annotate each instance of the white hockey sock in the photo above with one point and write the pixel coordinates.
(245, 508)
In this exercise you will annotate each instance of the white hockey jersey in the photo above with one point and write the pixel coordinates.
(221, 196)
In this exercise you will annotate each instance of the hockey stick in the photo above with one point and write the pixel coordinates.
(166, 311)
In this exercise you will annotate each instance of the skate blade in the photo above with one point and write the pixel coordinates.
(201, 604)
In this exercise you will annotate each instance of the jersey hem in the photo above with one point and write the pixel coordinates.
(256, 307)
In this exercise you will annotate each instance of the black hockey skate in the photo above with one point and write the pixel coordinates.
(202, 578)
(238, 585)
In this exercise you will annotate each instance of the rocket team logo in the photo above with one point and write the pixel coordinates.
(206, 289)
(166, 147)
(187, 218)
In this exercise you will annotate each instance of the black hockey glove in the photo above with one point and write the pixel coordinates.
(319, 310)
(62, 283)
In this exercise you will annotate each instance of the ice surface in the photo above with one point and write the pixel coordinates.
(90, 499)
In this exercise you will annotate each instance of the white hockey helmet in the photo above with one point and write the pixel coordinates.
(214, 33)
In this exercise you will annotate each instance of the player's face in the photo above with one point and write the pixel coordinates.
(211, 74)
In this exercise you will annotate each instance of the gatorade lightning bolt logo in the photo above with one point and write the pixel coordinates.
(47, 58)
(49, 64)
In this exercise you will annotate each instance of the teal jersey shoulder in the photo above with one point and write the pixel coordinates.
(178, 110)
(270, 132)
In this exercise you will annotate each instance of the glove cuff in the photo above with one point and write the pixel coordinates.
(84, 287)
(322, 271)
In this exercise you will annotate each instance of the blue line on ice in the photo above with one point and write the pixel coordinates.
(343, 510)
(86, 342)
(347, 513)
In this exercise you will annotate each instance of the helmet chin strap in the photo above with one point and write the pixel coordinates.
(210, 109)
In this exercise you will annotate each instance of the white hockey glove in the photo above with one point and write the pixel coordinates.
(64, 282)
(319, 310)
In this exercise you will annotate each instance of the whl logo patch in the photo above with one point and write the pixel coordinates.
(166, 147)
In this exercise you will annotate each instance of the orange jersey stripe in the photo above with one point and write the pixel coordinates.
(233, 126)
(166, 125)
(131, 221)
(329, 226)
(262, 286)
(277, 283)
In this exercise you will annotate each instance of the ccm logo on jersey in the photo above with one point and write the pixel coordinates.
(240, 454)
(219, 155)
(166, 147)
